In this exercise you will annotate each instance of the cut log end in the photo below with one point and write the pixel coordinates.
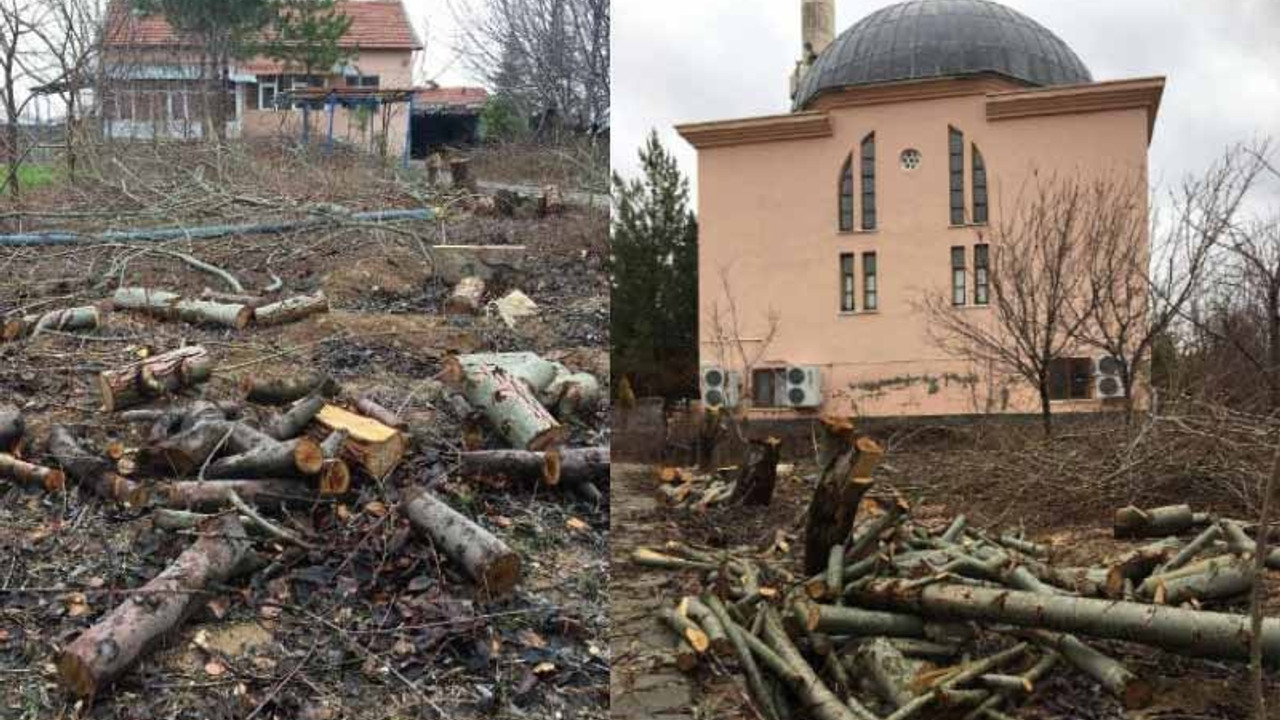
(308, 457)
(1138, 694)
(335, 478)
(77, 675)
(552, 464)
(502, 576)
(549, 438)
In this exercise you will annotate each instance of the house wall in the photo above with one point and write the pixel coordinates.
(768, 229)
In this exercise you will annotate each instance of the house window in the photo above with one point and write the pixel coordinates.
(366, 81)
(869, 288)
(768, 386)
(846, 282)
(267, 94)
(957, 176)
(957, 276)
(846, 195)
(979, 187)
(869, 182)
(1070, 379)
(981, 275)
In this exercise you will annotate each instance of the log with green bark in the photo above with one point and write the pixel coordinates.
(1133, 691)
(290, 423)
(816, 697)
(297, 458)
(890, 672)
(1209, 579)
(1135, 522)
(485, 558)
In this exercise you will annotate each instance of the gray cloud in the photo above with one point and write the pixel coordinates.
(677, 61)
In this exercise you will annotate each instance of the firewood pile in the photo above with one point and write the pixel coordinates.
(894, 617)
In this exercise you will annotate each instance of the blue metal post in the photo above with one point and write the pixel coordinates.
(408, 139)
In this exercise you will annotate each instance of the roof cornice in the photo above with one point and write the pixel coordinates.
(911, 90)
(770, 128)
(1130, 94)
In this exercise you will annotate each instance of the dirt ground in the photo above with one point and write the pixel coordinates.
(927, 473)
(376, 623)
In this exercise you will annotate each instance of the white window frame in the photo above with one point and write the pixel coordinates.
(275, 90)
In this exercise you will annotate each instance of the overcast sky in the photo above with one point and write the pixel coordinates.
(437, 27)
(677, 61)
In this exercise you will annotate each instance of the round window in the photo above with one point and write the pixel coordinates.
(910, 159)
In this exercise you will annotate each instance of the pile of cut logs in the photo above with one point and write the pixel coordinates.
(890, 619)
(221, 471)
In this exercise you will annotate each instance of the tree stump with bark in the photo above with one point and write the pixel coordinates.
(485, 558)
(759, 474)
(709, 432)
(845, 478)
(154, 377)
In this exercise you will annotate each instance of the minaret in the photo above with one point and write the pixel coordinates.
(817, 30)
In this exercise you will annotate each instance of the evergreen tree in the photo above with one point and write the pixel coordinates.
(307, 35)
(654, 278)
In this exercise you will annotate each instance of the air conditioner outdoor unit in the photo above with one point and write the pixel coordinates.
(804, 386)
(1107, 378)
(720, 387)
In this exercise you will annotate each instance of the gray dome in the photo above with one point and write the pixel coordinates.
(942, 38)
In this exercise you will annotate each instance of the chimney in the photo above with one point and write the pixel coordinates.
(818, 27)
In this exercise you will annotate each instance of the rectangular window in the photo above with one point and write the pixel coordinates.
(267, 95)
(369, 81)
(846, 196)
(846, 282)
(1071, 379)
(981, 275)
(957, 276)
(869, 183)
(768, 386)
(870, 301)
(957, 176)
(979, 187)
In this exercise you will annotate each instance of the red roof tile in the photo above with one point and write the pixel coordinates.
(469, 97)
(375, 24)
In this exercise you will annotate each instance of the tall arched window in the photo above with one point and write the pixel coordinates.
(846, 195)
(869, 182)
(956, 147)
(979, 187)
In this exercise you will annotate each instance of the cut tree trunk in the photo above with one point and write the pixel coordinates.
(1134, 692)
(1191, 632)
(79, 318)
(759, 474)
(211, 495)
(369, 445)
(11, 468)
(293, 421)
(525, 465)
(172, 306)
(300, 457)
(508, 404)
(12, 428)
(845, 479)
(1210, 579)
(467, 297)
(154, 377)
(451, 263)
(93, 471)
(709, 432)
(486, 559)
(1136, 565)
(1134, 522)
(284, 390)
(107, 649)
(585, 465)
(891, 673)
(291, 309)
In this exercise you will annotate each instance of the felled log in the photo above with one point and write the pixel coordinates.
(845, 479)
(107, 649)
(372, 408)
(253, 301)
(284, 390)
(1135, 565)
(293, 421)
(369, 445)
(1209, 579)
(51, 479)
(508, 404)
(1134, 522)
(467, 297)
(1191, 632)
(335, 475)
(1133, 691)
(291, 309)
(300, 457)
(571, 393)
(12, 427)
(759, 474)
(211, 495)
(184, 453)
(527, 465)
(687, 630)
(154, 377)
(816, 697)
(93, 471)
(485, 558)
(172, 306)
(583, 466)
(451, 263)
(78, 318)
(710, 624)
(890, 671)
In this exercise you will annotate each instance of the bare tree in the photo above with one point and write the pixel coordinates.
(20, 65)
(71, 36)
(1038, 294)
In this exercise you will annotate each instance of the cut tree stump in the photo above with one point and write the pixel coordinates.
(291, 309)
(11, 468)
(526, 465)
(467, 297)
(759, 474)
(370, 446)
(293, 421)
(486, 559)
(107, 649)
(172, 306)
(507, 402)
(845, 479)
(300, 457)
(12, 428)
(78, 318)
(451, 263)
(93, 471)
(709, 432)
(284, 390)
(211, 495)
(154, 377)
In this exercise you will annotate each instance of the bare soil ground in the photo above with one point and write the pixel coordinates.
(943, 472)
(376, 624)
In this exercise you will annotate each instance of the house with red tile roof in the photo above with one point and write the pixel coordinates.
(157, 83)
